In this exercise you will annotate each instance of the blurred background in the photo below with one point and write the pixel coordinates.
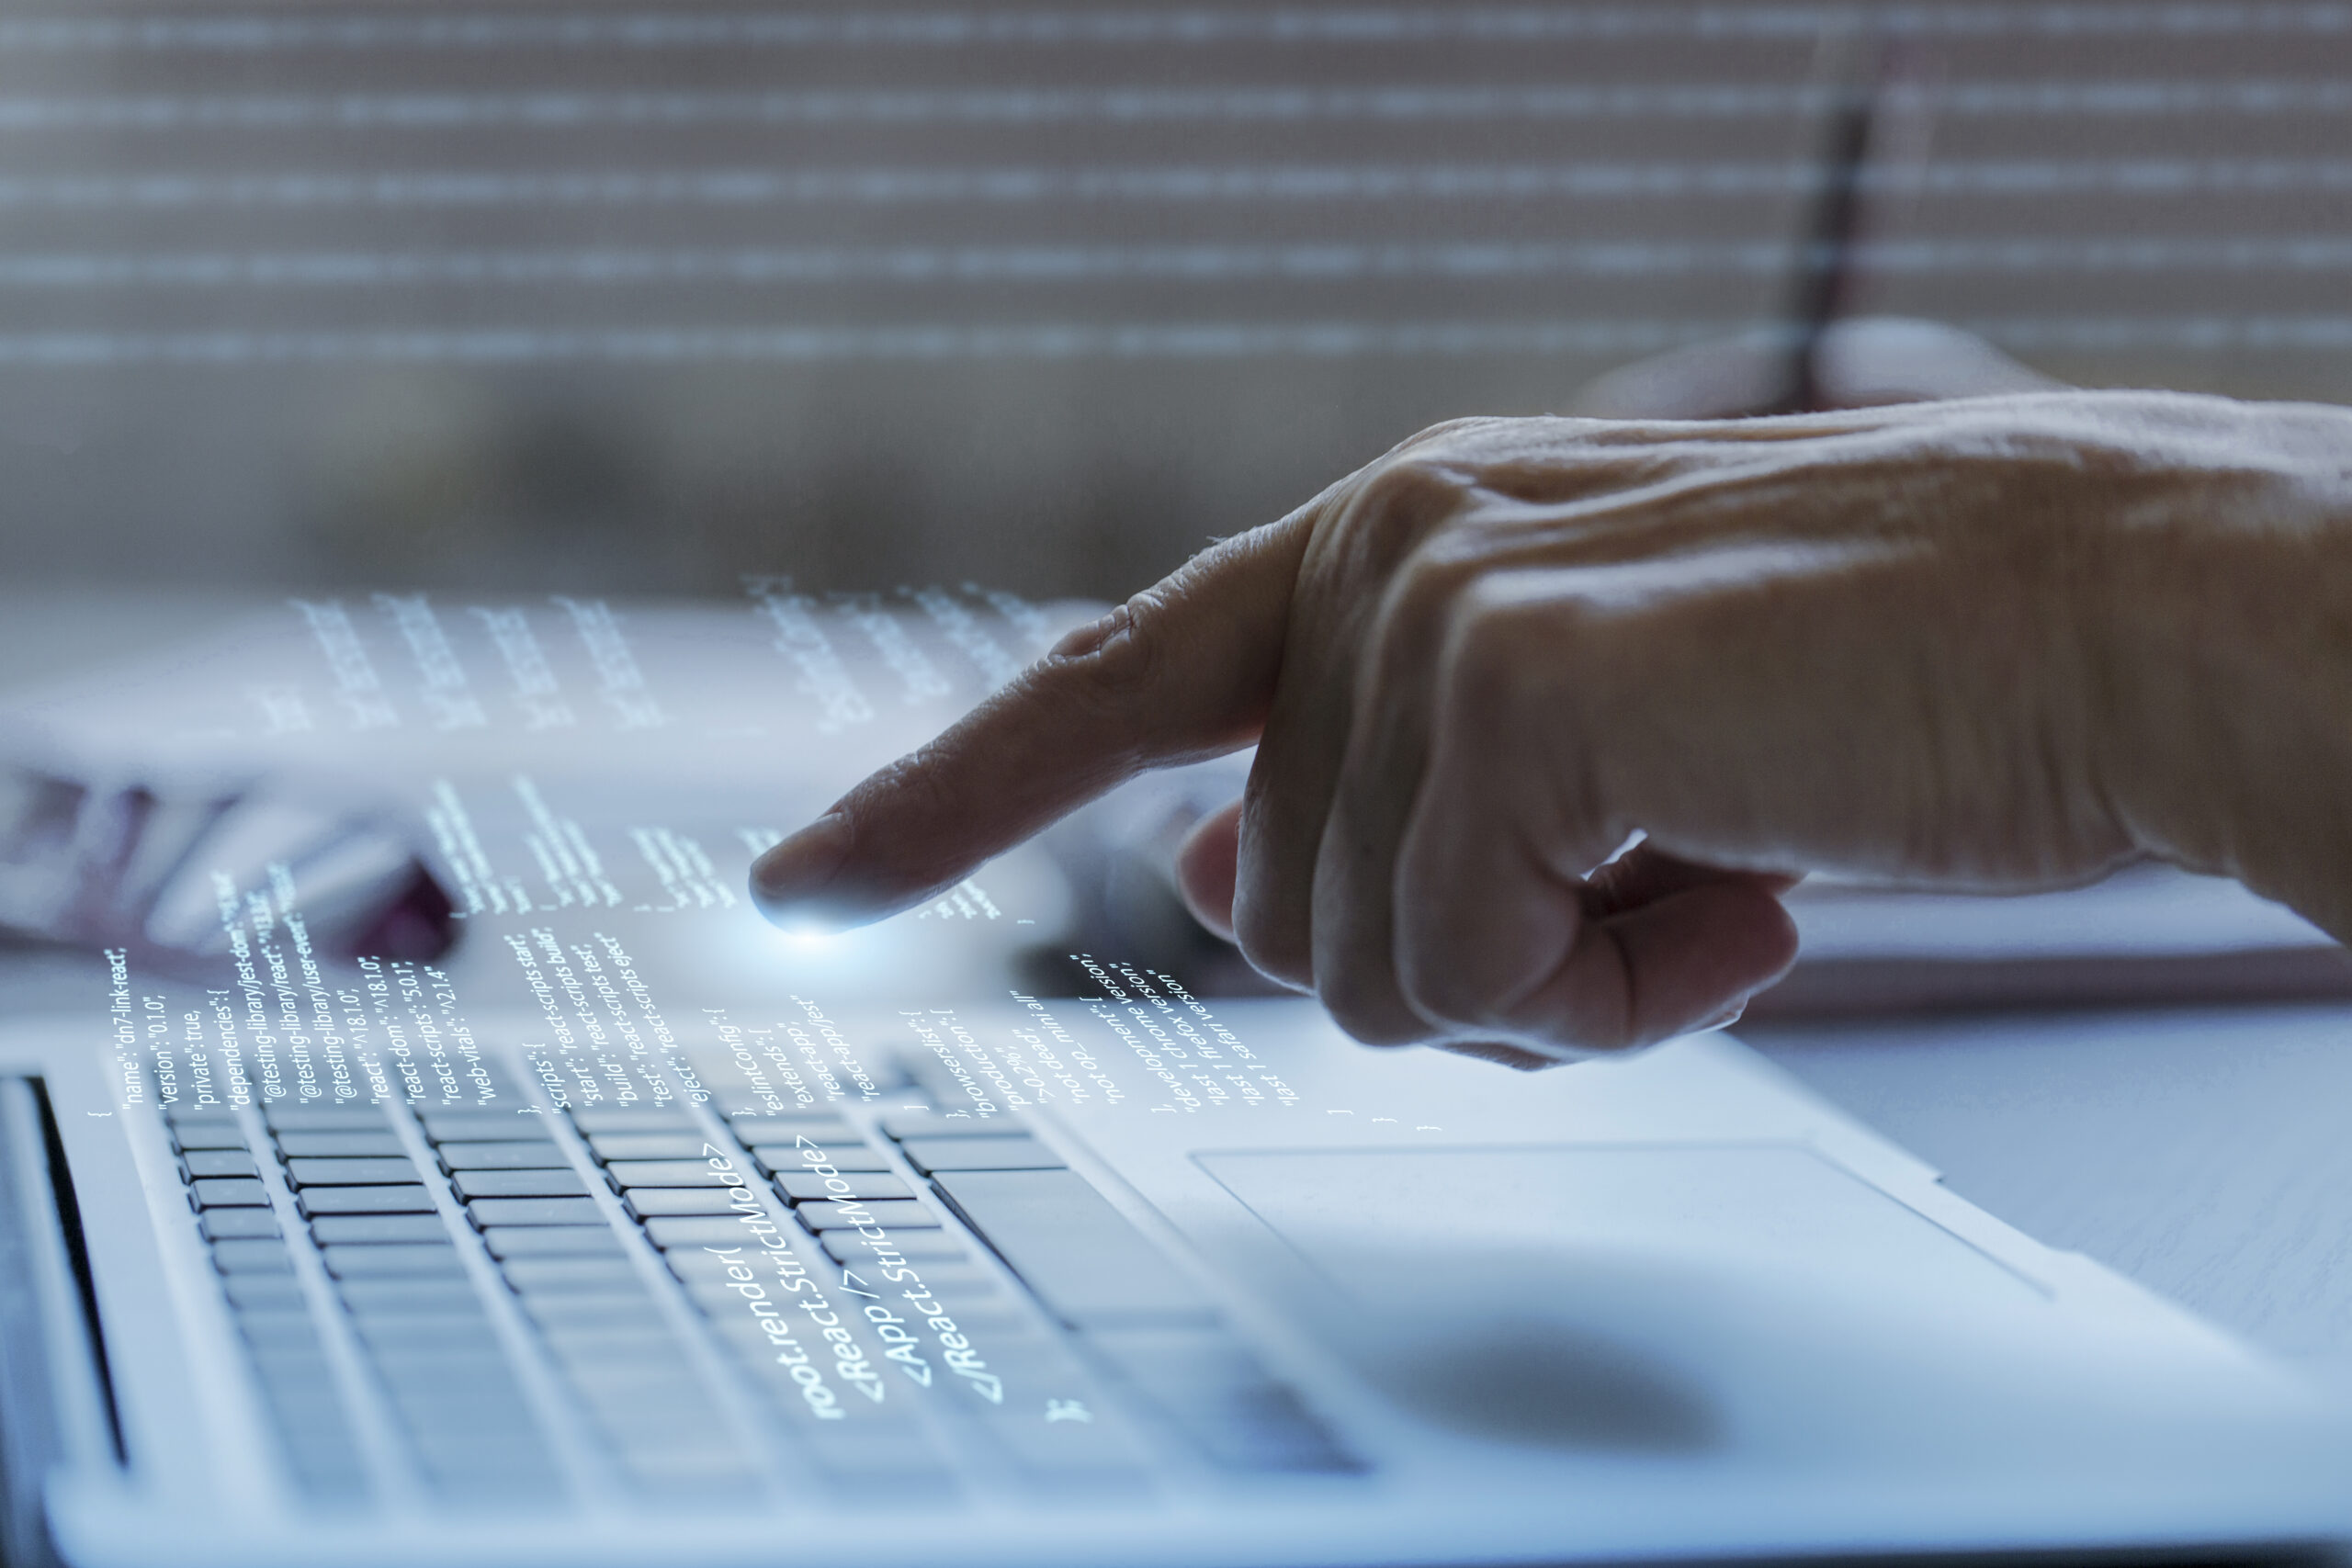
(636, 299)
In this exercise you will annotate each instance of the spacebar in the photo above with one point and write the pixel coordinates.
(1081, 1256)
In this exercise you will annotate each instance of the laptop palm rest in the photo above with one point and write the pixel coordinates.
(1603, 1297)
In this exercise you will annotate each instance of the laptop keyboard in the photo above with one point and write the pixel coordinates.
(506, 1307)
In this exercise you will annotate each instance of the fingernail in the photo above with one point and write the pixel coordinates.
(1724, 1018)
(787, 879)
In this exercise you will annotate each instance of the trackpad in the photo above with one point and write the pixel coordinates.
(1602, 1296)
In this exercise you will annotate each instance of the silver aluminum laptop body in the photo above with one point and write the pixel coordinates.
(1421, 1310)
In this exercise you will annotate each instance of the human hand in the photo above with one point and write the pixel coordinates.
(1998, 644)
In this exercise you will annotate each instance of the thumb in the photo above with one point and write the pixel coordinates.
(1183, 671)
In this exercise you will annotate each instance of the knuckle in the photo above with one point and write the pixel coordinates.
(1435, 988)
(1113, 666)
(1387, 512)
(1271, 943)
(915, 785)
(1447, 435)
(1410, 490)
(1284, 963)
(1367, 1006)
(1490, 663)
(1430, 587)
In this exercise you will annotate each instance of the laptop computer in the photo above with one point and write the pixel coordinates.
(1291, 1302)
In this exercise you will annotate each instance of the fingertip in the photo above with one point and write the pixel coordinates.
(795, 884)
(1208, 868)
(1695, 958)
(1516, 1058)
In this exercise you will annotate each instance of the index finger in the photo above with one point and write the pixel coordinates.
(1182, 671)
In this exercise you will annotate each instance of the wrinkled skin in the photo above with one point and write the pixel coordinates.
(2004, 643)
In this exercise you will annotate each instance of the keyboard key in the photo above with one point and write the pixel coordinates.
(776, 1159)
(558, 1310)
(410, 1345)
(487, 1212)
(377, 1229)
(865, 1188)
(447, 1394)
(630, 1372)
(646, 1397)
(645, 1433)
(1217, 1394)
(736, 1330)
(468, 1126)
(466, 1457)
(690, 1232)
(647, 1145)
(571, 1273)
(543, 1183)
(627, 1173)
(349, 1172)
(550, 1241)
(930, 1154)
(262, 1291)
(647, 1202)
(400, 1341)
(1055, 1424)
(694, 1263)
(902, 1215)
(669, 1471)
(904, 1125)
(284, 1118)
(996, 1323)
(393, 1260)
(377, 1296)
(317, 1200)
(235, 1224)
(482, 1427)
(887, 1463)
(308, 1409)
(197, 1163)
(482, 1424)
(300, 1395)
(956, 1279)
(297, 1380)
(1082, 1256)
(208, 1136)
(475, 1420)
(645, 1412)
(478, 1441)
(753, 1128)
(643, 1357)
(252, 1256)
(330, 1469)
(914, 1246)
(474, 1377)
(285, 1330)
(229, 1192)
(192, 1115)
(515, 1155)
(342, 1145)
(635, 1119)
(533, 1483)
(457, 1317)
(721, 1300)
(607, 1289)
